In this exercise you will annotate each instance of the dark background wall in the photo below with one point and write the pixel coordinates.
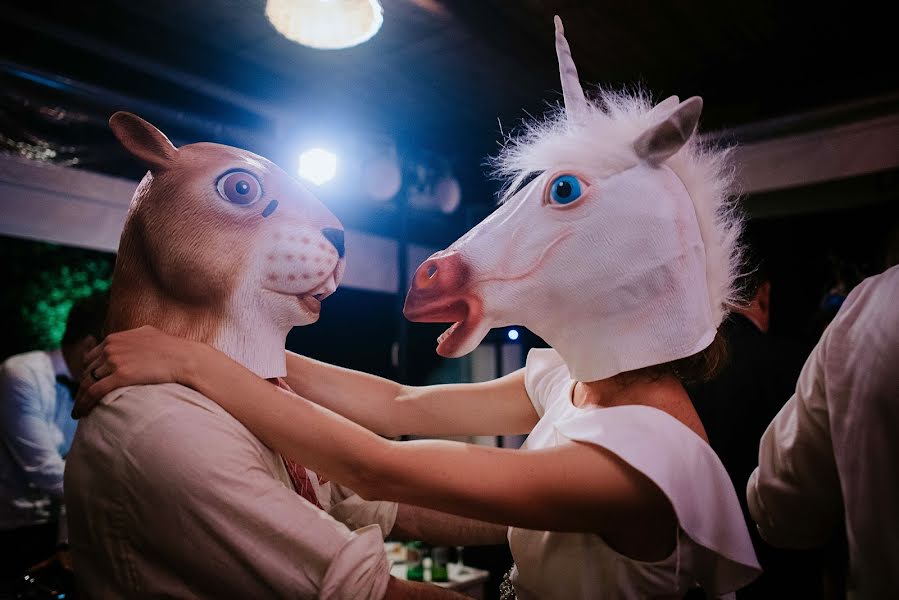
(805, 255)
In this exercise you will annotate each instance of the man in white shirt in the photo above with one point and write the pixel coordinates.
(168, 496)
(831, 456)
(36, 431)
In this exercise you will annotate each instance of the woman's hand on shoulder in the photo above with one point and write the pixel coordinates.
(139, 356)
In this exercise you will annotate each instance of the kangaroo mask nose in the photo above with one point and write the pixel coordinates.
(335, 236)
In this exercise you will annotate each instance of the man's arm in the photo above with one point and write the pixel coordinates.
(26, 433)
(442, 529)
(400, 589)
(842, 420)
(407, 522)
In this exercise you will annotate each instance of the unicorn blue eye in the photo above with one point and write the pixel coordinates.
(565, 189)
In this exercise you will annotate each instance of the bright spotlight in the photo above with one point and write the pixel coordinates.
(513, 334)
(324, 24)
(318, 165)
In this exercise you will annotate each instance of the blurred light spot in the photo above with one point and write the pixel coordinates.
(318, 165)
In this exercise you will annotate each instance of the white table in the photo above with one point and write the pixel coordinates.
(465, 580)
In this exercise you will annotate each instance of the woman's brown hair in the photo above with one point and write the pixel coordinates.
(696, 368)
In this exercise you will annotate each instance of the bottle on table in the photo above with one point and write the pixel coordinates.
(414, 566)
(440, 559)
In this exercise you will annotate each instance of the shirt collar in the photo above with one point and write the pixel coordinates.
(59, 363)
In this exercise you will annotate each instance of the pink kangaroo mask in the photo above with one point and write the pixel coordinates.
(222, 246)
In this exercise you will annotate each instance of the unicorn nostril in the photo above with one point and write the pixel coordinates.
(335, 236)
(440, 272)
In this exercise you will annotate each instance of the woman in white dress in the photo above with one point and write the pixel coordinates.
(616, 243)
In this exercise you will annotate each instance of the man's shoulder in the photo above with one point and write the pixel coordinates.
(162, 412)
(171, 425)
(27, 365)
(151, 406)
(872, 304)
(160, 397)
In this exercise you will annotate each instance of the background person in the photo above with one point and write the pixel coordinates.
(830, 458)
(37, 392)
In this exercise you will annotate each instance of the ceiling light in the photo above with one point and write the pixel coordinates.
(326, 24)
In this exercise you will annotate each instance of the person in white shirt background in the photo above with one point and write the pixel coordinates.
(830, 458)
(37, 391)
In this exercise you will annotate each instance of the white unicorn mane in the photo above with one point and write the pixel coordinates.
(599, 140)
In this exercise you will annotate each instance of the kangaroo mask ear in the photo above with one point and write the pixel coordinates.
(666, 137)
(143, 141)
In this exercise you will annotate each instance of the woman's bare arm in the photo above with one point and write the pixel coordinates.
(498, 407)
(501, 407)
(573, 487)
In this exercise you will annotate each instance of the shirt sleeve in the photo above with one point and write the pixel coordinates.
(346, 506)
(793, 494)
(545, 376)
(841, 420)
(217, 518)
(31, 440)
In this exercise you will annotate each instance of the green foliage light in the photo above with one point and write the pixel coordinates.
(47, 299)
(43, 281)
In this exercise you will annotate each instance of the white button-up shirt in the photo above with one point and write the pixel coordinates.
(169, 496)
(831, 456)
(36, 431)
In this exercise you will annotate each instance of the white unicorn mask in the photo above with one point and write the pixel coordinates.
(616, 242)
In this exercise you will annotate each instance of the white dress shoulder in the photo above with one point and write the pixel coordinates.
(713, 546)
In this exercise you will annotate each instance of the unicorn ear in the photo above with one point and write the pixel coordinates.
(142, 140)
(662, 140)
(665, 106)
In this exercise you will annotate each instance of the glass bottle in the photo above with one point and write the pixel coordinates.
(440, 559)
(414, 566)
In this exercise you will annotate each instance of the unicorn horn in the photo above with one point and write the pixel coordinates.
(575, 102)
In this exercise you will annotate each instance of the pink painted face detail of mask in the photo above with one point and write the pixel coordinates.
(441, 293)
(299, 262)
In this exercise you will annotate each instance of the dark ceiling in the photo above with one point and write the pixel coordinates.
(445, 76)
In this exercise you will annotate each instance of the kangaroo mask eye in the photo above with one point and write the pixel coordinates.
(239, 187)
